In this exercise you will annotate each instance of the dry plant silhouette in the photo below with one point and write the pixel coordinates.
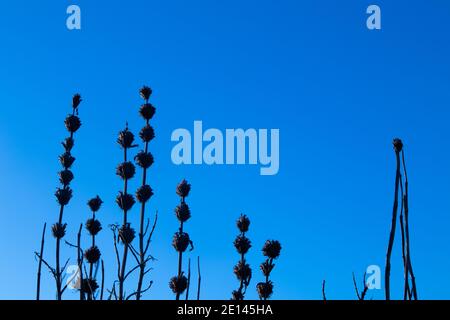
(89, 261)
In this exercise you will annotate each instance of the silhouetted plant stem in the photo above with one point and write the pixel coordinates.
(199, 282)
(181, 239)
(324, 297)
(144, 159)
(408, 253)
(242, 269)
(41, 255)
(271, 250)
(125, 201)
(361, 296)
(103, 281)
(406, 289)
(80, 262)
(188, 279)
(398, 145)
(64, 194)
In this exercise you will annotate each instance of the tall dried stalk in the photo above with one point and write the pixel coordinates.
(271, 250)
(144, 159)
(199, 280)
(408, 252)
(41, 255)
(92, 254)
(398, 145)
(125, 201)
(181, 239)
(242, 269)
(64, 194)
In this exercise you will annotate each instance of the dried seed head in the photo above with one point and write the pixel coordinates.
(144, 193)
(265, 289)
(63, 195)
(65, 177)
(126, 234)
(144, 159)
(272, 249)
(68, 144)
(237, 295)
(183, 189)
(95, 204)
(73, 123)
(242, 244)
(181, 241)
(182, 212)
(145, 92)
(66, 160)
(147, 111)
(147, 133)
(76, 100)
(398, 145)
(93, 226)
(243, 272)
(243, 223)
(92, 254)
(126, 170)
(125, 201)
(178, 284)
(266, 268)
(59, 230)
(89, 286)
(125, 139)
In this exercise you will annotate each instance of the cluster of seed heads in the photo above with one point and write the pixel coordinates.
(242, 269)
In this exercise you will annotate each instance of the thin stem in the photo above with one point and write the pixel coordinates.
(80, 261)
(103, 281)
(188, 279)
(199, 278)
(125, 250)
(408, 253)
(142, 249)
(392, 232)
(41, 255)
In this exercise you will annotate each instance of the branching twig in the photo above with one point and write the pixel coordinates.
(38, 288)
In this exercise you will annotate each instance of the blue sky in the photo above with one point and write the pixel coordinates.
(338, 93)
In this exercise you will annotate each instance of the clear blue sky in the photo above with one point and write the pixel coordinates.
(338, 93)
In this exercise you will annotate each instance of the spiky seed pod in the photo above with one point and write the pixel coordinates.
(63, 195)
(398, 145)
(73, 123)
(76, 100)
(243, 272)
(266, 268)
(271, 249)
(145, 92)
(265, 290)
(144, 193)
(178, 284)
(89, 286)
(147, 133)
(65, 177)
(126, 170)
(182, 212)
(59, 230)
(181, 241)
(242, 244)
(144, 159)
(92, 254)
(93, 226)
(125, 201)
(125, 139)
(95, 204)
(243, 223)
(147, 111)
(237, 295)
(126, 234)
(66, 160)
(68, 144)
(183, 189)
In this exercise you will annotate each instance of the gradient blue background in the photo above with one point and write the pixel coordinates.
(338, 92)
